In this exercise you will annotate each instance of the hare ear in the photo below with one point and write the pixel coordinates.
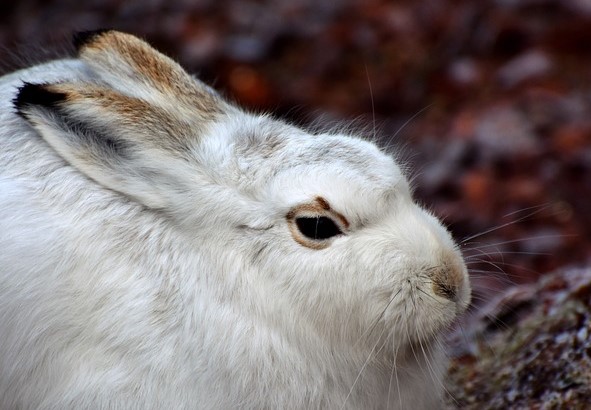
(122, 142)
(133, 67)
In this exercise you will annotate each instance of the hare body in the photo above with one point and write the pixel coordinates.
(154, 251)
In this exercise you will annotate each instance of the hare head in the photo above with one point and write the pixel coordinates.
(315, 235)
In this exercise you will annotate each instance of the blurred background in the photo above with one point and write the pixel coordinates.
(489, 100)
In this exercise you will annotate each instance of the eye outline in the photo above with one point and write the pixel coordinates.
(319, 208)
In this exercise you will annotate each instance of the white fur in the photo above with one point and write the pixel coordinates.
(208, 301)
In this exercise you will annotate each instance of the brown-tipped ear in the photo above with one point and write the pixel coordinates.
(132, 66)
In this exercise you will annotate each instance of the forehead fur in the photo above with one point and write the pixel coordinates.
(273, 154)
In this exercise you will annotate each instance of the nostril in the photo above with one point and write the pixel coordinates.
(445, 290)
(446, 282)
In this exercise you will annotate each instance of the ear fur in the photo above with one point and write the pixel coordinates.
(133, 67)
(133, 127)
(119, 156)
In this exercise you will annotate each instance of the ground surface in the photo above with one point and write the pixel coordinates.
(529, 349)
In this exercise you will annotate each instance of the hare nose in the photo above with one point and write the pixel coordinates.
(446, 282)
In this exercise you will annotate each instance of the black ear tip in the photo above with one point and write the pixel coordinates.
(82, 38)
(36, 94)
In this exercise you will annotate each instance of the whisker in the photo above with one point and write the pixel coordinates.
(369, 356)
(395, 374)
(422, 110)
(496, 228)
(495, 265)
(380, 317)
(485, 274)
(538, 208)
(518, 240)
(373, 108)
(472, 258)
(433, 373)
(426, 294)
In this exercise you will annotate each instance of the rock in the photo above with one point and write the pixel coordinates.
(529, 348)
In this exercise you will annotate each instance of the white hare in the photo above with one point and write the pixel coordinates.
(160, 248)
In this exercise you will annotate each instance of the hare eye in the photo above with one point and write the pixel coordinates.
(320, 227)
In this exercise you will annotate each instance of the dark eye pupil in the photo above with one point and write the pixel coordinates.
(318, 227)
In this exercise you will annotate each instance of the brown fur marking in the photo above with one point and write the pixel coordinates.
(150, 67)
(141, 119)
